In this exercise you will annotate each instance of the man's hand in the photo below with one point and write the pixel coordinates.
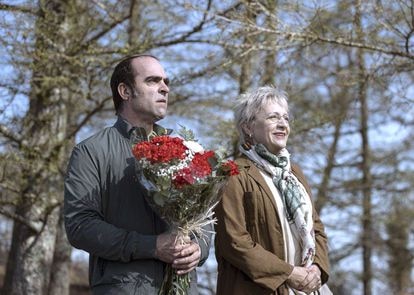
(184, 255)
(167, 250)
(189, 258)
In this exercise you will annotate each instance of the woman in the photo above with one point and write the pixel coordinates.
(269, 238)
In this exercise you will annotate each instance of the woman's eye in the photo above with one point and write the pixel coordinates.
(277, 118)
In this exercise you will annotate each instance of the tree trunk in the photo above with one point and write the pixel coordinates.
(245, 77)
(366, 162)
(34, 232)
(270, 65)
(30, 257)
(400, 257)
(60, 270)
(341, 104)
(135, 25)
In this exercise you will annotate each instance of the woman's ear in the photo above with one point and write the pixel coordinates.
(246, 130)
(248, 135)
(124, 91)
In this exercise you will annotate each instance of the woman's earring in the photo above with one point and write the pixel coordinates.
(248, 141)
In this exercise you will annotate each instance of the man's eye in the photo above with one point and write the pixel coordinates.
(153, 80)
(156, 80)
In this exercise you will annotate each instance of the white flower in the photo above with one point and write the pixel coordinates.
(195, 147)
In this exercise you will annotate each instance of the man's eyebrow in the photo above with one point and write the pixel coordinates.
(157, 79)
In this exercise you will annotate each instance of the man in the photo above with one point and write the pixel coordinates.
(105, 211)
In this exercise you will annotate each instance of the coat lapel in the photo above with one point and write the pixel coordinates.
(255, 174)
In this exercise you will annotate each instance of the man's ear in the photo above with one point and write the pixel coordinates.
(124, 91)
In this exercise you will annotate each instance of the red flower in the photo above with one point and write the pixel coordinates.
(230, 168)
(168, 151)
(200, 165)
(183, 177)
(160, 149)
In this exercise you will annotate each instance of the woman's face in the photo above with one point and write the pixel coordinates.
(271, 126)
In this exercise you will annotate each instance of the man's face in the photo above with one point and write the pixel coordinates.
(150, 97)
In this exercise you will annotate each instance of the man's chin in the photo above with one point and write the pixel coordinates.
(159, 117)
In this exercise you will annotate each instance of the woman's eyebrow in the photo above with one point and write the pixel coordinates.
(277, 113)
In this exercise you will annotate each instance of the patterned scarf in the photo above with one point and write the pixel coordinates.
(292, 193)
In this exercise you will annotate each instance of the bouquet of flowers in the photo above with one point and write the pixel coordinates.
(182, 180)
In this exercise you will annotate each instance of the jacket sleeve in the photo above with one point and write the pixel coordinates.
(235, 244)
(204, 243)
(84, 221)
(321, 256)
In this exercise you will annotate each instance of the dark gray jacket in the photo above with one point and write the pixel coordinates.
(107, 216)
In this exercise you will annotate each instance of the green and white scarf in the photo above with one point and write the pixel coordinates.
(292, 193)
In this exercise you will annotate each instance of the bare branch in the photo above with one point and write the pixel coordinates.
(104, 31)
(344, 252)
(195, 29)
(7, 186)
(6, 132)
(13, 89)
(308, 38)
(88, 116)
(15, 8)
(17, 218)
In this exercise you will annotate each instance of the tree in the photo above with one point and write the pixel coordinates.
(349, 76)
(347, 69)
(40, 156)
(366, 182)
(66, 61)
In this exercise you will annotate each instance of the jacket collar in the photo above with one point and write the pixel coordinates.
(126, 129)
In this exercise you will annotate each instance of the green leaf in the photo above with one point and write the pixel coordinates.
(159, 199)
(164, 183)
(186, 133)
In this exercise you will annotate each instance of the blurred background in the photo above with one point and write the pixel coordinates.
(347, 66)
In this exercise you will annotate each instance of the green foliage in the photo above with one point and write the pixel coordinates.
(186, 134)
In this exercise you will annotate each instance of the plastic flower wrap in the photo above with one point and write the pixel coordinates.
(182, 180)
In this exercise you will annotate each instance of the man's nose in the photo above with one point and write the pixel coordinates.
(164, 87)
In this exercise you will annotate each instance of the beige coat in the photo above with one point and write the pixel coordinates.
(249, 241)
